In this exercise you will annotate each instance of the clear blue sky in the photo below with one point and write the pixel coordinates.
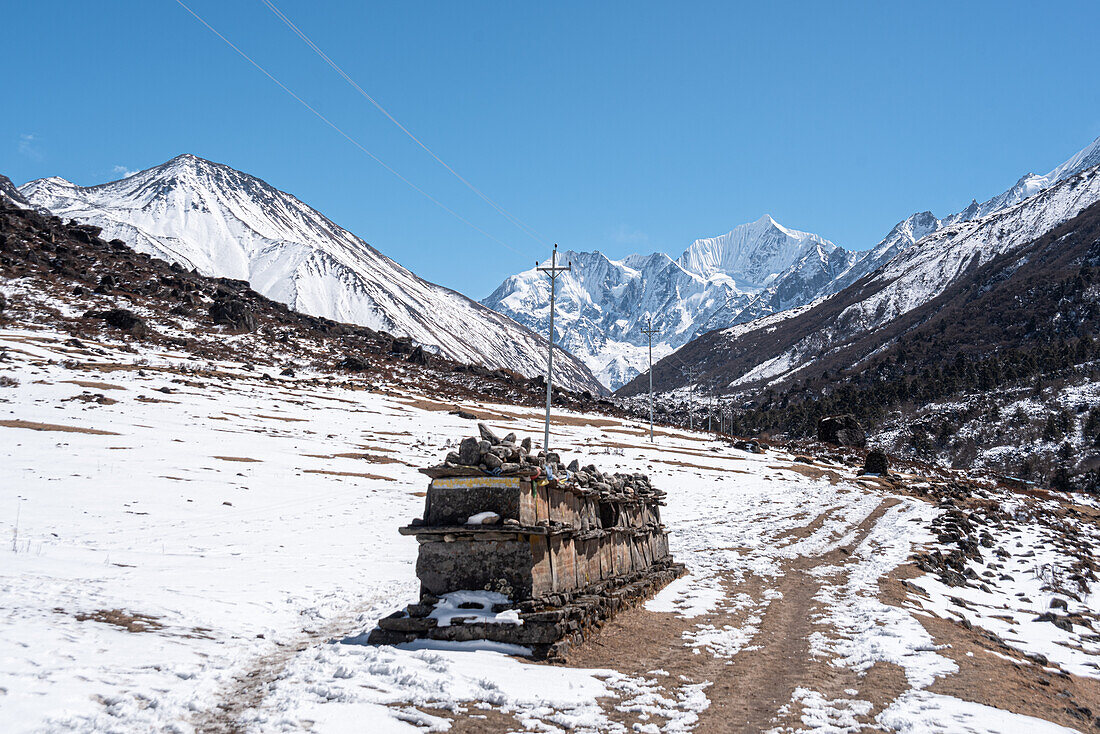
(619, 126)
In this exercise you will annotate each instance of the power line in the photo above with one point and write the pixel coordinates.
(349, 138)
(309, 42)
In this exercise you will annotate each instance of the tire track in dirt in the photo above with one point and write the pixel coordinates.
(748, 689)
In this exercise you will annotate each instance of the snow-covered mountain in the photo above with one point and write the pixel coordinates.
(917, 226)
(602, 304)
(226, 223)
(839, 331)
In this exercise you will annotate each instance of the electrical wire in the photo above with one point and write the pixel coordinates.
(309, 42)
(348, 137)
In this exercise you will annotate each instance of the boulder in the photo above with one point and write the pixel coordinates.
(233, 313)
(468, 452)
(841, 430)
(352, 363)
(876, 463)
(119, 318)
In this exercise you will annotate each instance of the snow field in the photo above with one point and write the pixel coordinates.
(253, 523)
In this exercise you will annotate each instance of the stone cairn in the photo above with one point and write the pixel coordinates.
(516, 548)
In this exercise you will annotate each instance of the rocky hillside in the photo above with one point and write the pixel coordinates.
(10, 195)
(225, 223)
(66, 277)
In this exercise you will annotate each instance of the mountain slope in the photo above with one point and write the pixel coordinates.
(10, 194)
(917, 226)
(212, 218)
(1001, 370)
(839, 331)
(602, 304)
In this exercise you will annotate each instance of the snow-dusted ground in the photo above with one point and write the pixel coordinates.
(179, 529)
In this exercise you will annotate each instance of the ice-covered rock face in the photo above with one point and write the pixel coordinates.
(226, 223)
(754, 254)
(602, 304)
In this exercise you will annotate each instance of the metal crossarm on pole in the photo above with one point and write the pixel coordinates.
(552, 270)
(649, 331)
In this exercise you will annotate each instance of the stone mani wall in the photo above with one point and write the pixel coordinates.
(564, 553)
(550, 537)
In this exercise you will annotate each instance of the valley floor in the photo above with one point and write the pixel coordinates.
(199, 546)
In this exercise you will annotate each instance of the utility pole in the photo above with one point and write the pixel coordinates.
(649, 331)
(552, 271)
(710, 412)
(691, 371)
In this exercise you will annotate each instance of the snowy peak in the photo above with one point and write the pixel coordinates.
(226, 223)
(47, 189)
(603, 303)
(752, 254)
(917, 226)
(1083, 160)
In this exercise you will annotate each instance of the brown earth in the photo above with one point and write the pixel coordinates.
(36, 426)
(348, 474)
(1018, 685)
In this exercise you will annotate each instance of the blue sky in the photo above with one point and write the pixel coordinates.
(618, 126)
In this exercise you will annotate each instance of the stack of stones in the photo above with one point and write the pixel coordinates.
(557, 549)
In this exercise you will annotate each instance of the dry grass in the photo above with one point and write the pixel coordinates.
(36, 426)
(362, 475)
(129, 621)
(93, 385)
(372, 458)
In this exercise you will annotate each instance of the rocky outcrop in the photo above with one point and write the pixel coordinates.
(233, 313)
(876, 463)
(841, 430)
(120, 318)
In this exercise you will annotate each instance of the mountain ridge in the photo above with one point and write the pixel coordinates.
(789, 346)
(602, 303)
(223, 222)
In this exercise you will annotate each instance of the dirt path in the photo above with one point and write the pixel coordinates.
(754, 654)
(749, 688)
(248, 689)
(746, 690)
